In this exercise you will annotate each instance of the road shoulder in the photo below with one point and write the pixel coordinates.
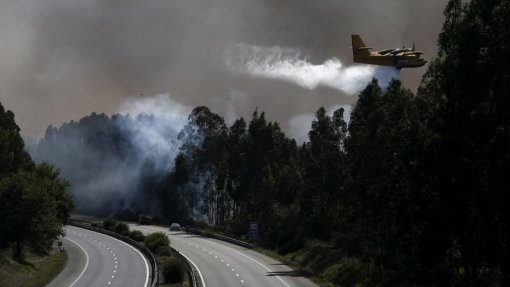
(74, 254)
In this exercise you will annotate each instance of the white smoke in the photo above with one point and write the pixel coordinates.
(289, 65)
(152, 124)
(117, 161)
(159, 120)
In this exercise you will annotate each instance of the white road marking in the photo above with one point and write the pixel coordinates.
(199, 273)
(86, 263)
(136, 250)
(144, 260)
(260, 264)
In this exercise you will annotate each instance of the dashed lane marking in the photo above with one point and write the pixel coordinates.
(258, 263)
(144, 260)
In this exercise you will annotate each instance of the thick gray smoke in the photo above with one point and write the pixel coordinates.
(63, 59)
(113, 162)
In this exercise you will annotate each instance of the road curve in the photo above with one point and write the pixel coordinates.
(95, 259)
(224, 265)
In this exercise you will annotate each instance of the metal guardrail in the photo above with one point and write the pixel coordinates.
(146, 252)
(221, 237)
(192, 275)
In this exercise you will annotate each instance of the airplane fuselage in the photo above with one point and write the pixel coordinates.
(399, 62)
(398, 58)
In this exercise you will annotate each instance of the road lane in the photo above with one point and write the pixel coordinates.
(225, 264)
(95, 259)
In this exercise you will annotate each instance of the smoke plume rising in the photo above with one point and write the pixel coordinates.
(158, 120)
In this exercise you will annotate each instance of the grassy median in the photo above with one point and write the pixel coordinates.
(34, 271)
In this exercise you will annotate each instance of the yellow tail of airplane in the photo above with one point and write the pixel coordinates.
(358, 47)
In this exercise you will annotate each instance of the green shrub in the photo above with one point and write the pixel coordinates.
(155, 240)
(163, 250)
(172, 269)
(122, 228)
(137, 235)
(109, 224)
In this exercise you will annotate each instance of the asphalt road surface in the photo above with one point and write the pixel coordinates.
(95, 259)
(222, 264)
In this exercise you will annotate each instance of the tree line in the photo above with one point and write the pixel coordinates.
(34, 202)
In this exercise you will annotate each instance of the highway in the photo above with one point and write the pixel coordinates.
(222, 264)
(95, 259)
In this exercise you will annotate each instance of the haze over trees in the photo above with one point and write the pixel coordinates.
(111, 162)
(34, 203)
(412, 192)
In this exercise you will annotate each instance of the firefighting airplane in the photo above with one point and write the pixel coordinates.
(398, 58)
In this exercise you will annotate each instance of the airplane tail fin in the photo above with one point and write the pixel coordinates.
(358, 47)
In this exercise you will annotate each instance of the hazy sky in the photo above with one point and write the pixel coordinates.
(63, 59)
